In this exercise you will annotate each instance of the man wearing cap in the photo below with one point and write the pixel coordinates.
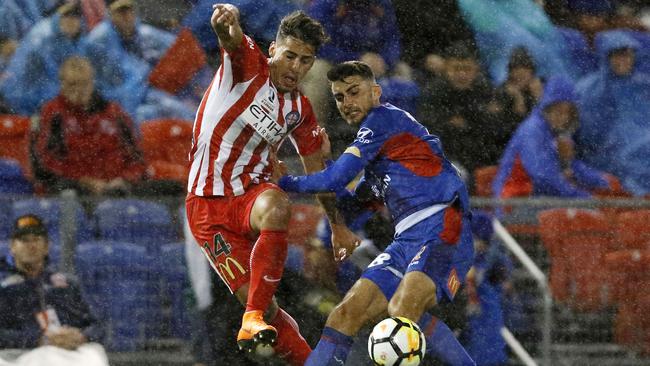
(39, 307)
(124, 51)
(31, 77)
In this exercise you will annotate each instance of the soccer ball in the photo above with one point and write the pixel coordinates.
(396, 341)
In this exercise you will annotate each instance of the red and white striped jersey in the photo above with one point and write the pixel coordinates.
(240, 118)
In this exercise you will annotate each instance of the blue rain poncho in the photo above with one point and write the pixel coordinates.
(32, 75)
(122, 75)
(499, 26)
(614, 134)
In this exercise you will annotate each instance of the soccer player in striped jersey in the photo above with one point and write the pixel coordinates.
(405, 167)
(236, 214)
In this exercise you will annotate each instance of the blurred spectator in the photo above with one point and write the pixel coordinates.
(39, 307)
(614, 102)
(85, 142)
(540, 158)
(456, 108)
(517, 96)
(397, 88)
(124, 51)
(416, 20)
(31, 77)
(356, 27)
(7, 49)
(500, 26)
(590, 17)
(259, 19)
(18, 16)
(486, 283)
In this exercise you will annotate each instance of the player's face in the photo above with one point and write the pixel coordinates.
(355, 97)
(290, 61)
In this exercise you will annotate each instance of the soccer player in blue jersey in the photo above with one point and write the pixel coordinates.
(432, 248)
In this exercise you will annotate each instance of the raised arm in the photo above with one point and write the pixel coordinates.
(225, 22)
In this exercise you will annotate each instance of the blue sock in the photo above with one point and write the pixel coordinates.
(442, 343)
(332, 349)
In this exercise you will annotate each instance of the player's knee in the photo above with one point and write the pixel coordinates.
(412, 297)
(271, 210)
(347, 314)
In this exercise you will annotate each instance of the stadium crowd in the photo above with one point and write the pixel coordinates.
(549, 98)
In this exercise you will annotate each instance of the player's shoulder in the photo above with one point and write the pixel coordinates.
(383, 117)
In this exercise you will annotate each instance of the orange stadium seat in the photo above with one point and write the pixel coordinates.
(165, 145)
(633, 230)
(631, 324)
(483, 178)
(15, 141)
(577, 241)
(303, 223)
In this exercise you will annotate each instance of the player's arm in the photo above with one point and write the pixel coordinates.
(225, 23)
(332, 179)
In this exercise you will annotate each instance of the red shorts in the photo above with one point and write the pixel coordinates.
(221, 226)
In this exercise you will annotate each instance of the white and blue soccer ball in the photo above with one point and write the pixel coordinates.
(396, 341)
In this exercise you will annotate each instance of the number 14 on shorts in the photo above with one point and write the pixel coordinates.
(218, 248)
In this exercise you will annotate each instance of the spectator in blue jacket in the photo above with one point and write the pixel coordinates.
(259, 18)
(614, 133)
(38, 306)
(7, 49)
(397, 87)
(124, 51)
(32, 75)
(356, 27)
(539, 159)
(18, 16)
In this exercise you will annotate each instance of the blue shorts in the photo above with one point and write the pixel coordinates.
(440, 246)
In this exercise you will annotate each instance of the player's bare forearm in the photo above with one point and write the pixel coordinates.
(344, 241)
(225, 23)
(314, 163)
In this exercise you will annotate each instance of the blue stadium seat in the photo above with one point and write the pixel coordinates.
(49, 209)
(4, 249)
(176, 288)
(6, 215)
(143, 222)
(116, 280)
(12, 178)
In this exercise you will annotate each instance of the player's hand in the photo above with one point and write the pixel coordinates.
(344, 242)
(224, 16)
(326, 146)
(278, 167)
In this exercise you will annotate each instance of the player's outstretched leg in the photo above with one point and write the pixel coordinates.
(291, 346)
(270, 217)
(363, 302)
(415, 294)
(441, 341)
(267, 264)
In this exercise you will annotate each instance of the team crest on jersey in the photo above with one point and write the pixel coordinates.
(364, 135)
(292, 118)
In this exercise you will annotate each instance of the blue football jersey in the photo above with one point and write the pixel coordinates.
(405, 164)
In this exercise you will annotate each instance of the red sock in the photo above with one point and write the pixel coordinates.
(291, 346)
(267, 265)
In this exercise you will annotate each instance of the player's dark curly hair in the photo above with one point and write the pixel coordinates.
(350, 68)
(301, 26)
